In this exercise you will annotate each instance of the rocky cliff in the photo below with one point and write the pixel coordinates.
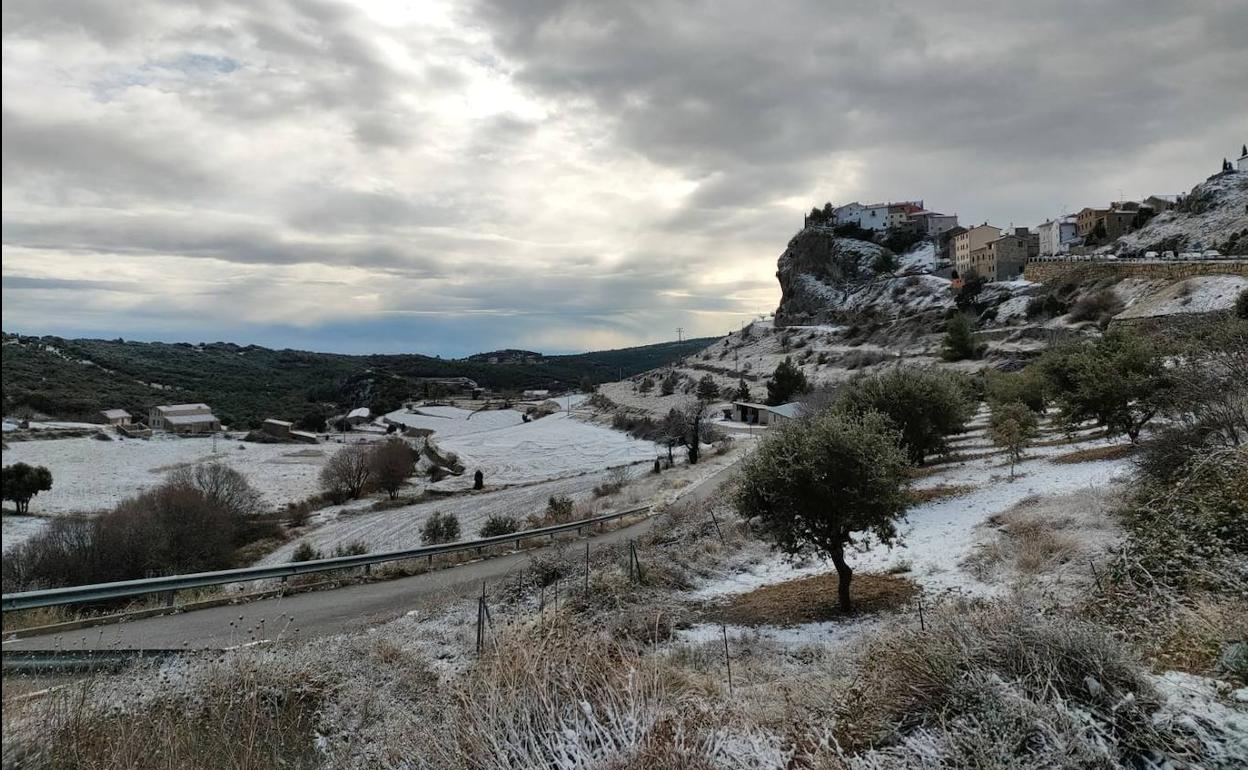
(1214, 215)
(825, 278)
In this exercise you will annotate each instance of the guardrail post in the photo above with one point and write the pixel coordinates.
(169, 598)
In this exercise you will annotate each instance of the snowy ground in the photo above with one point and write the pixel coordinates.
(936, 537)
(399, 528)
(553, 446)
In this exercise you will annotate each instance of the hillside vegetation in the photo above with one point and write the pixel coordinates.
(76, 378)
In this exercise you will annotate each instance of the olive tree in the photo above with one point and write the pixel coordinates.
(925, 405)
(1120, 380)
(831, 481)
(1013, 426)
(21, 482)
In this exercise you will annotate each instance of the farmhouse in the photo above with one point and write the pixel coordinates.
(184, 419)
(116, 417)
(762, 414)
(358, 416)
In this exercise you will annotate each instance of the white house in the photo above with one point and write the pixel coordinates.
(932, 223)
(183, 418)
(849, 213)
(1058, 235)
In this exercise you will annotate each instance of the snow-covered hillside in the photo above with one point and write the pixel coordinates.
(1213, 216)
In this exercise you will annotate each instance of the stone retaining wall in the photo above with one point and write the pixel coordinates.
(1042, 272)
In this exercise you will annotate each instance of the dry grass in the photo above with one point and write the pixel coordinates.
(939, 492)
(1111, 452)
(813, 599)
(1051, 538)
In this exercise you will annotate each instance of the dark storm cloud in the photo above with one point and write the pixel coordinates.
(494, 174)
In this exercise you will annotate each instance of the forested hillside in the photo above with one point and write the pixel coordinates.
(74, 379)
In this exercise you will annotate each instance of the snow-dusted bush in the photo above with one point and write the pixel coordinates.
(440, 528)
(925, 405)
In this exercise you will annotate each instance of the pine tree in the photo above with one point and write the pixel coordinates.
(743, 391)
(959, 338)
(707, 389)
(785, 383)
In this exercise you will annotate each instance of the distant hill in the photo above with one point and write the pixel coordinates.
(76, 378)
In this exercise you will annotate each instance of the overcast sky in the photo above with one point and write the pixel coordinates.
(456, 177)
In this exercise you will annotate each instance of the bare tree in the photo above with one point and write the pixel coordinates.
(223, 486)
(392, 463)
(347, 474)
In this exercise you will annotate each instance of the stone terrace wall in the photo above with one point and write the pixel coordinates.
(1041, 272)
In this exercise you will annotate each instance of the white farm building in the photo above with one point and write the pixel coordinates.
(187, 419)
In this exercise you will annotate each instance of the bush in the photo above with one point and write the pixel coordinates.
(668, 387)
(1241, 304)
(823, 481)
(170, 529)
(925, 405)
(708, 390)
(305, 552)
(559, 509)
(1027, 386)
(1100, 306)
(440, 528)
(616, 479)
(498, 525)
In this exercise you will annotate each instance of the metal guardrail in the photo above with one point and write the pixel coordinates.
(67, 661)
(100, 592)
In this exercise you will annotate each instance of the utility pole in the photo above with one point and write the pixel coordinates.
(680, 330)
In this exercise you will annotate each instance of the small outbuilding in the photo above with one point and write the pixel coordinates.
(277, 428)
(764, 414)
(117, 417)
(359, 416)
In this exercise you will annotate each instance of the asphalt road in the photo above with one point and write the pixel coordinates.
(317, 613)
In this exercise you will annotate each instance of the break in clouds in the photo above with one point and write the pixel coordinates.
(453, 177)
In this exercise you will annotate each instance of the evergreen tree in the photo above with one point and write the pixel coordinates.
(959, 338)
(707, 389)
(785, 383)
(743, 388)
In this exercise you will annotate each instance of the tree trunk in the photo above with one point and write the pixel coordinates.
(844, 575)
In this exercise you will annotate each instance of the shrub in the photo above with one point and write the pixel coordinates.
(498, 524)
(1096, 307)
(21, 482)
(1241, 304)
(305, 552)
(559, 509)
(223, 486)
(646, 385)
(616, 479)
(1027, 386)
(823, 481)
(925, 405)
(440, 528)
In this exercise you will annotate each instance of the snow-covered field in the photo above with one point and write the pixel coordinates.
(90, 475)
(553, 446)
(938, 535)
